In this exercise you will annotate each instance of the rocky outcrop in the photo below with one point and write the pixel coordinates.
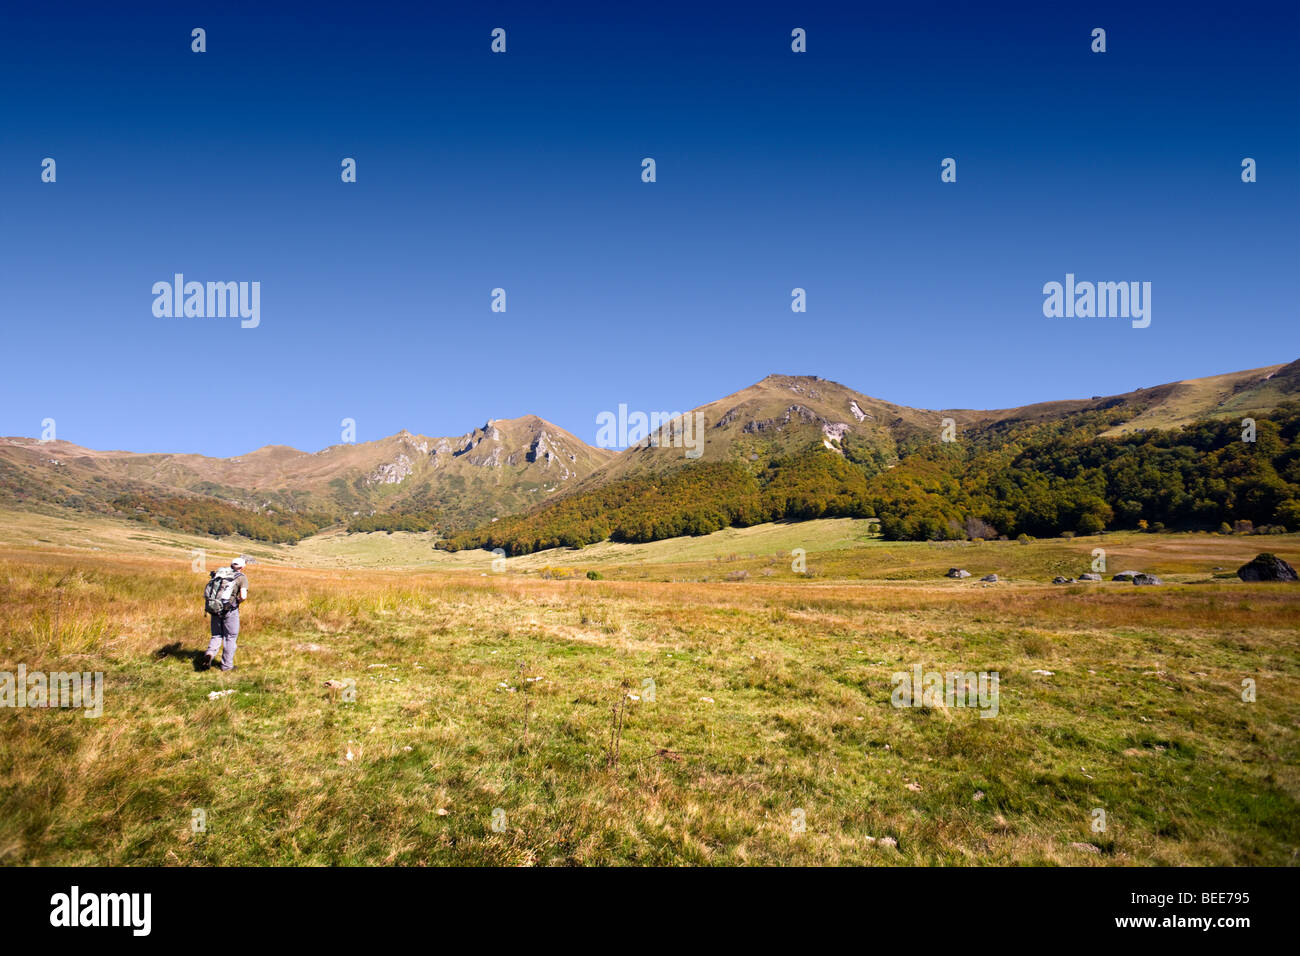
(807, 390)
(391, 473)
(409, 440)
(1135, 577)
(473, 449)
(1089, 576)
(958, 573)
(805, 415)
(539, 450)
(491, 459)
(1266, 567)
(728, 417)
(835, 431)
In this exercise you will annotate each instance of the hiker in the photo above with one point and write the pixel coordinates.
(226, 590)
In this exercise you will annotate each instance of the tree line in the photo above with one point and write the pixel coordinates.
(206, 516)
(422, 519)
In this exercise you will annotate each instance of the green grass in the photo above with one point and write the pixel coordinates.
(1142, 715)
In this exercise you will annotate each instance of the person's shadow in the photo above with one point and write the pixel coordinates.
(177, 650)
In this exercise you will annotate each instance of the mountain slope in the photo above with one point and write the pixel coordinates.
(781, 415)
(504, 466)
(787, 446)
(786, 414)
(1237, 394)
(796, 447)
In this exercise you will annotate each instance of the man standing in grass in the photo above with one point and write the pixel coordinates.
(223, 608)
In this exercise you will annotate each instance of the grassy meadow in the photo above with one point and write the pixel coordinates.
(487, 703)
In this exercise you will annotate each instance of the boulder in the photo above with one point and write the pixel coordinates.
(1060, 580)
(958, 573)
(991, 578)
(1146, 579)
(1090, 577)
(1266, 567)
(1126, 576)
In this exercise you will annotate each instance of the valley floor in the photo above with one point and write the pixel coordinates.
(757, 721)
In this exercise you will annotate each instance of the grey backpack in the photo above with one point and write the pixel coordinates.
(219, 595)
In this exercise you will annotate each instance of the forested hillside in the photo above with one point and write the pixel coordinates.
(697, 500)
(1038, 478)
(206, 516)
(788, 447)
(1049, 480)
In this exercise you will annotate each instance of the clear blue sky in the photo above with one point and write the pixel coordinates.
(522, 170)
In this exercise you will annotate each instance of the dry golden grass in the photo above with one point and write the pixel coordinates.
(1142, 716)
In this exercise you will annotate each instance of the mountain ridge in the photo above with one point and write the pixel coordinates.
(798, 447)
(1263, 373)
(510, 466)
(501, 465)
(780, 413)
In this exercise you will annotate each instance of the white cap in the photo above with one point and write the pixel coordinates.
(236, 562)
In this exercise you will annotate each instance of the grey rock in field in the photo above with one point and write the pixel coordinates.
(1146, 579)
(1126, 576)
(990, 577)
(1060, 580)
(958, 573)
(1090, 577)
(1266, 567)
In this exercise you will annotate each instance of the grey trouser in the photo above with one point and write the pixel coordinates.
(225, 629)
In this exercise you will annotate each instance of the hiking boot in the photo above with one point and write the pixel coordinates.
(206, 663)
